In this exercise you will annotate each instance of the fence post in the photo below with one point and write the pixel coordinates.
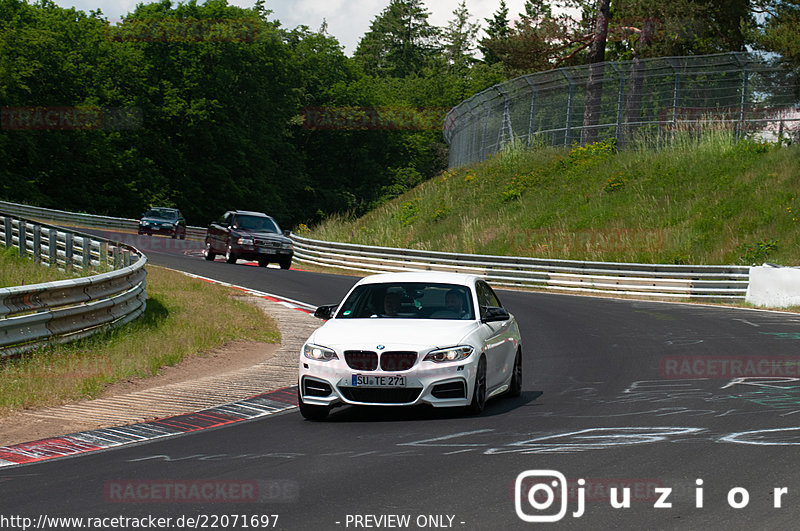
(482, 154)
(676, 91)
(618, 133)
(534, 93)
(569, 106)
(743, 104)
(506, 120)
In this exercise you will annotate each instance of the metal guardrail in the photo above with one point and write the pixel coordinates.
(32, 316)
(77, 219)
(651, 280)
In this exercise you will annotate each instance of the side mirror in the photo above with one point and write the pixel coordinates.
(325, 312)
(495, 313)
(287, 233)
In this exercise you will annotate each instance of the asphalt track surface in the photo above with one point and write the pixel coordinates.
(616, 392)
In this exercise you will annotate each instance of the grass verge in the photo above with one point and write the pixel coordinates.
(184, 317)
(18, 271)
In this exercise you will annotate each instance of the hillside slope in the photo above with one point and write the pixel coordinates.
(715, 200)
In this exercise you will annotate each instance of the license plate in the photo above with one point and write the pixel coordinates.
(264, 250)
(363, 380)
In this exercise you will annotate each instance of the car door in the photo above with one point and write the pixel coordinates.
(499, 338)
(218, 236)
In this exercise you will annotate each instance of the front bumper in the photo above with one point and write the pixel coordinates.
(157, 229)
(251, 252)
(438, 384)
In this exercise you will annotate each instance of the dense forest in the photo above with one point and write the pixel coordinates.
(210, 107)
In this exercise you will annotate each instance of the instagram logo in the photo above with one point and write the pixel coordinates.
(537, 491)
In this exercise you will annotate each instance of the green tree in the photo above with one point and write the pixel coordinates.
(780, 32)
(459, 39)
(400, 41)
(497, 30)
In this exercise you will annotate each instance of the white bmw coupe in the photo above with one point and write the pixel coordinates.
(403, 339)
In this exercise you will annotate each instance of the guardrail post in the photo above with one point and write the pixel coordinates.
(126, 258)
(87, 254)
(68, 251)
(103, 260)
(7, 231)
(22, 230)
(52, 247)
(37, 243)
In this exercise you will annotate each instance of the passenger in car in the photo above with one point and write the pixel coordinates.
(391, 303)
(454, 302)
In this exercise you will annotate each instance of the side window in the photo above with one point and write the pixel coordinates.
(486, 296)
(225, 219)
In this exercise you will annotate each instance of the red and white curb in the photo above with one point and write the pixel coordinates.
(285, 301)
(256, 406)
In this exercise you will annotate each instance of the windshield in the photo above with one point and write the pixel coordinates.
(159, 213)
(256, 223)
(408, 301)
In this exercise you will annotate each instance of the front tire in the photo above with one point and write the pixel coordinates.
(209, 255)
(311, 412)
(479, 393)
(230, 257)
(286, 264)
(515, 386)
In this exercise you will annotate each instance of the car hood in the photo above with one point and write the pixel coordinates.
(160, 220)
(262, 235)
(393, 334)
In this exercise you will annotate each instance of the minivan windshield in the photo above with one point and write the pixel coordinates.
(256, 223)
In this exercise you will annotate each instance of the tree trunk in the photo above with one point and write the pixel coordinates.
(633, 106)
(594, 85)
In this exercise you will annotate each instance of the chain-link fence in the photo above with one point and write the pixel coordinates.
(625, 101)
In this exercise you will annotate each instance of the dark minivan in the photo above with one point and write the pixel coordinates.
(249, 236)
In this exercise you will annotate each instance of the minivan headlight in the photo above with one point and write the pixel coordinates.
(245, 241)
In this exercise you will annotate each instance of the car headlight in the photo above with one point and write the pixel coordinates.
(144, 223)
(245, 241)
(315, 352)
(458, 353)
(286, 246)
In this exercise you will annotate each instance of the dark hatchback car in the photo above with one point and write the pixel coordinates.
(162, 220)
(249, 236)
